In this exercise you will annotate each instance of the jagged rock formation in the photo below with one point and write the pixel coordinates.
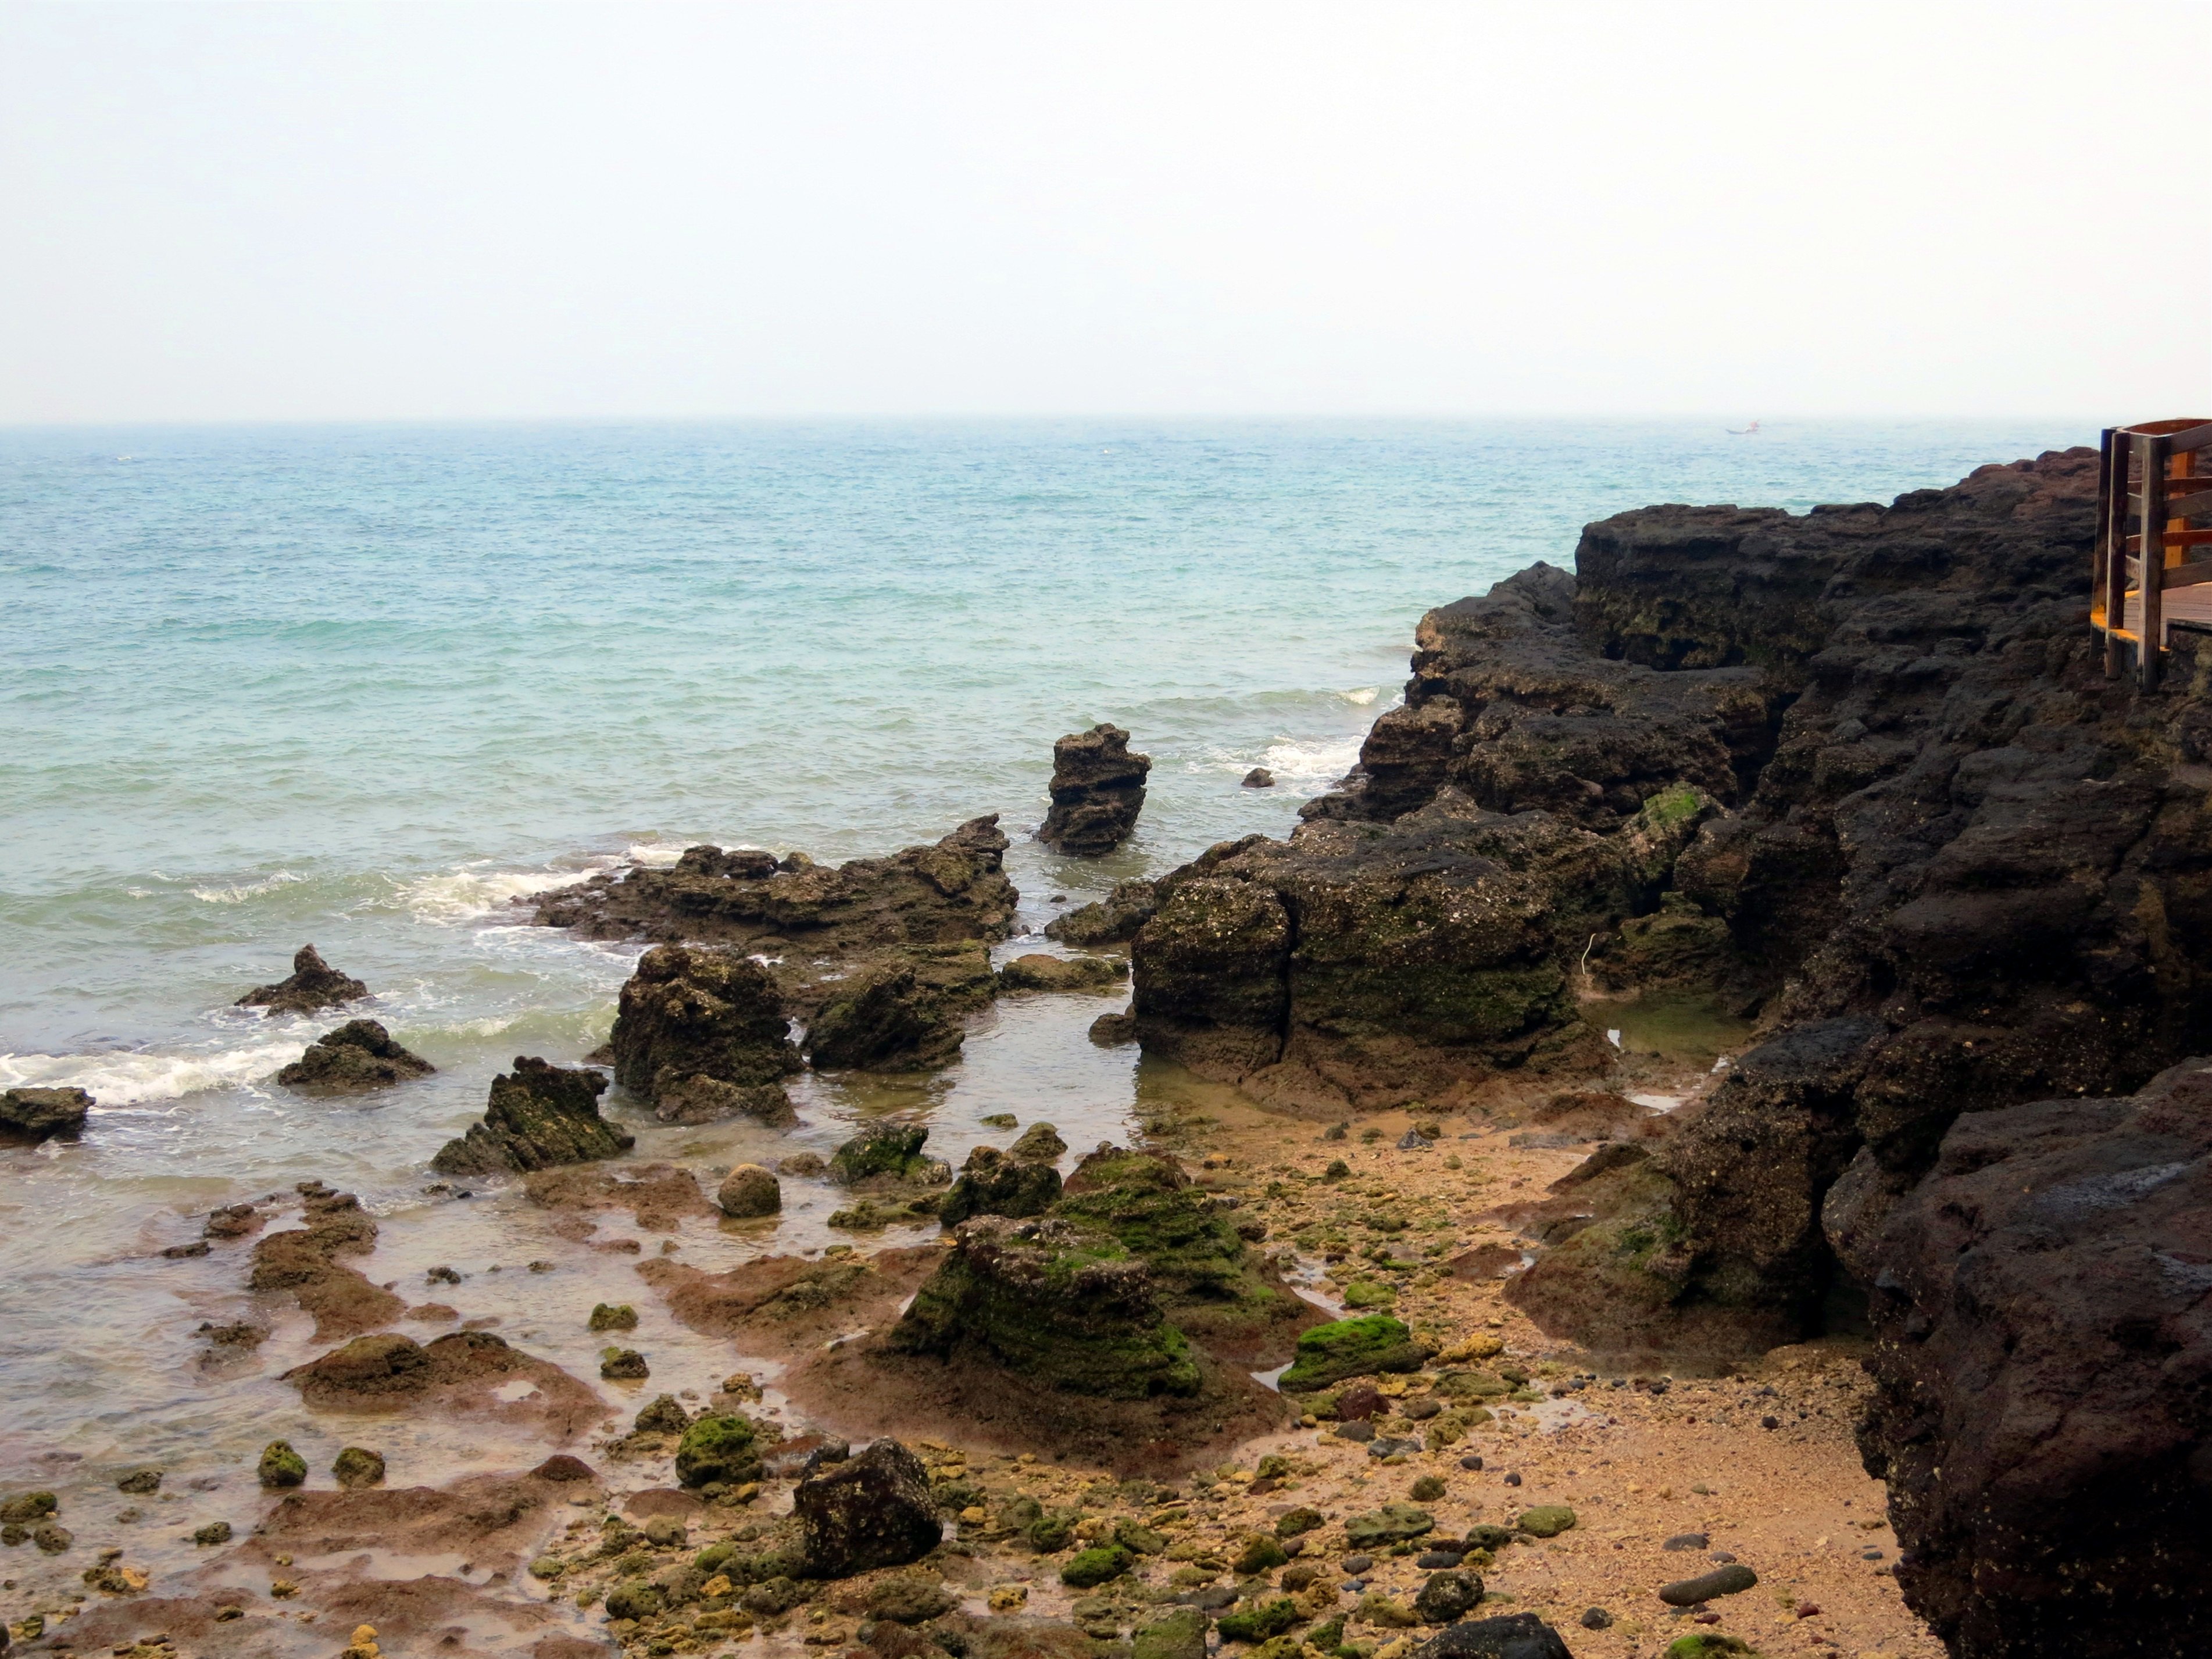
(881, 958)
(359, 1055)
(539, 1115)
(703, 1034)
(1097, 790)
(314, 985)
(992, 1183)
(2044, 1345)
(36, 1114)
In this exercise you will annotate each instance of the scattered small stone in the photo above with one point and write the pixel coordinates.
(216, 1532)
(1512, 1480)
(140, 1481)
(1597, 1618)
(614, 1316)
(1687, 1540)
(1770, 1422)
(622, 1365)
(1731, 1580)
(281, 1466)
(357, 1467)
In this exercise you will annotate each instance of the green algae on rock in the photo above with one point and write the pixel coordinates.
(1367, 1346)
(992, 1183)
(1394, 1524)
(356, 1466)
(881, 1151)
(281, 1466)
(1063, 1305)
(539, 1115)
(1546, 1521)
(723, 1447)
(1095, 1566)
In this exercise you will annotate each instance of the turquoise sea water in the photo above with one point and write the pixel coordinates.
(362, 686)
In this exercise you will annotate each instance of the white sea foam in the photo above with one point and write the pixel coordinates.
(478, 889)
(135, 1079)
(1322, 762)
(245, 891)
(653, 855)
(1363, 697)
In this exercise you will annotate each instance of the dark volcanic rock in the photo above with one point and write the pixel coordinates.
(315, 984)
(872, 1510)
(539, 1115)
(1097, 790)
(1056, 1303)
(2044, 1365)
(884, 1018)
(703, 1034)
(992, 1183)
(1514, 1636)
(359, 1055)
(36, 1114)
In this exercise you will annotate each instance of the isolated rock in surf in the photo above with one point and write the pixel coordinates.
(359, 1055)
(314, 985)
(701, 1034)
(1097, 790)
(36, 1114)
(539, 1115)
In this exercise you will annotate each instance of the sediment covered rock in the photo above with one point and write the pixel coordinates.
(1097, 790)
(1039, 972)
(539, 1115)
(884, 1018)
(2044, 1348)
(749, 1190)
(314, 985)
(701, 1034)
(37, 1115)
(359, 1055)
(305, 1260)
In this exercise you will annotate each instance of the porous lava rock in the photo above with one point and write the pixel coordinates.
(869, 1511)
(539, 1115)
(1097, 790)
(37, 1115)
(2042, 1307)
(701, 1034)
(314, 985)
(360, 1055)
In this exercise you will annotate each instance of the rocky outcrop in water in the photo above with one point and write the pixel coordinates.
(1113, 920)
(305, 1261)
(1097, 790)
(37, 1115)
(539, 1115)
(701, 1034)
(314, 985)
(360, 1055)
(2044, 1348)
(882, 959)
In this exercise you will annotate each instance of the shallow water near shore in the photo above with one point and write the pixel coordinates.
(367, 688)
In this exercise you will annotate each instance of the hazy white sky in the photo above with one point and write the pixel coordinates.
(253, 212)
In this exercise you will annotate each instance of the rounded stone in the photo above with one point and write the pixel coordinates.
(750, 1190)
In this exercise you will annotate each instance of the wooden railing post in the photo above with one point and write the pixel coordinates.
(2152, 562)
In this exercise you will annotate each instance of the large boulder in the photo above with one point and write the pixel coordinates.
(314, 985)
(1097, 790)
(1056, 1303)
(539, 1115)
(703, 1034)
(358, 1056)
(1366, 1345)
(869, 1511)
(36, 1114)
(882, 1017)
(2042, 1306)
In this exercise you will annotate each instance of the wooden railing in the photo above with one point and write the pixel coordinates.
(2149, 477)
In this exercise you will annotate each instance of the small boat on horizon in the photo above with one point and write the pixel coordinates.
(1751, 431)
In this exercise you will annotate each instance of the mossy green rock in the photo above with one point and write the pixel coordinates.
(1365, 1347)
(992, 1182)
(281, 1466)
(613, 1316)
(1703, 1646)
(1138, 1539)
(1049, 1535)
(720, 1447)
(28, 1506)
(881, 1149)
(1095, 1566)
(634, 1600)
(1260, 1554)
(1178, 1634)
(1545, 1520)
(1057, 1303)
(1296, 1522)
(1257, 1621)
(1394, 1524)
(356, 1466)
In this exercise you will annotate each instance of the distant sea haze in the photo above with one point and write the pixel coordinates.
(366, 685)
